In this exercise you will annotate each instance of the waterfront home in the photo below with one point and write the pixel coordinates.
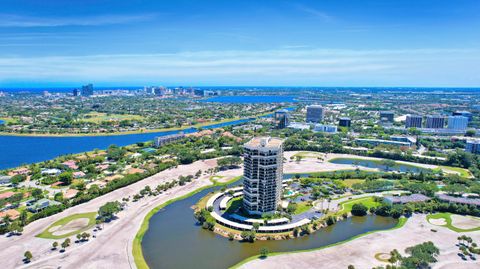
(51, 171)
(19, 171)
(70, 164)
(5, 179)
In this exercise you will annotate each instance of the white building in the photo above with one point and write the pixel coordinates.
(325, 128)
(457, 122)
(314, 113)
(262, 175)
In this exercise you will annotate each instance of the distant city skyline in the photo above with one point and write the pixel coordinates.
(426, 43)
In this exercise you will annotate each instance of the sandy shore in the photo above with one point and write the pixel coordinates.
(360, 252)
(113, 246)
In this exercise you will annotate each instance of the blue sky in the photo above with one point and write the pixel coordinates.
(240, 42)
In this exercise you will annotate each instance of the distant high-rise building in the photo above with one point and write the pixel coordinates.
(413, 121)
(387, 116)
(457, 122)
(315, 113)
(435, 122)
(281, 118)
(76, 92)
(87, 90)
(345, 122)
(473, 146)
(467, 114)
(262, 175)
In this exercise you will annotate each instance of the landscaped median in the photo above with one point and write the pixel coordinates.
(137, 241)
(69, 226)
(400, 224)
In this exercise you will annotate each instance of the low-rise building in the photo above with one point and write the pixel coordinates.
(162, 140)
(5, 179)
(323, 128)
(41, 205)
(413, 198)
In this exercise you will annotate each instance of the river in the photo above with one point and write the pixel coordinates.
(18, 150)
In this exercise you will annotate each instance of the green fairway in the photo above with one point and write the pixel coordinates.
(62, 223)
(448, 220)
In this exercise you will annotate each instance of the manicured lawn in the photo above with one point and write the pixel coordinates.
(448, 220)
(309, 154)
(302, 207)
(347, 205)
(234, 204)
(462, 171)
(91, 222)
(349, 182)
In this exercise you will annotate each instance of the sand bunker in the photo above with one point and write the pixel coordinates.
(438, 222)
(72, 226)
(465, 222)
(383, 257)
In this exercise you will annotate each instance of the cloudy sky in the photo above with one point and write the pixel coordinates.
(240, 42)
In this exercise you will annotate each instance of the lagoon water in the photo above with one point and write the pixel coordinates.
(173, 240)
(17, 150)
(399, 167)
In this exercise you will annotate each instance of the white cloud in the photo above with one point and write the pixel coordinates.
(12, 20)
(272, 67)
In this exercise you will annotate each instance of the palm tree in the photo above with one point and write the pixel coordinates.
(54, 245)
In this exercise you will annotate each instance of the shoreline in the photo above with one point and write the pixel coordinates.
(401, 222)
(137, 252)
(142, 131)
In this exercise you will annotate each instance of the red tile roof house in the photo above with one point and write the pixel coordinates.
(102, 167)
(70, 193)
(78, 174)
(71, 164)
(12, 213)
(19, 171)
(6, 195)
